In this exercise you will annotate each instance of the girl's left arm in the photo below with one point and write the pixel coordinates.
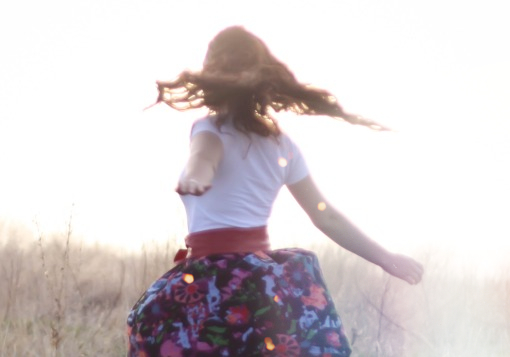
(337, 227)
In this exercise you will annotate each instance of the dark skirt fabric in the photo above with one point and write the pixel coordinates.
(271, 303)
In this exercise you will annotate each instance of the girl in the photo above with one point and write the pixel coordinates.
(232, 295)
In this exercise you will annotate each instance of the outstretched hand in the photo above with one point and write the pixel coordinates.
(191, 187)
(404, 268)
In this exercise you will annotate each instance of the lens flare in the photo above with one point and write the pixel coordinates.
(269, 343)
(188, 278)
(282, 162)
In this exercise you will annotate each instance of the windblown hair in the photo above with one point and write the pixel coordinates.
(241, 75)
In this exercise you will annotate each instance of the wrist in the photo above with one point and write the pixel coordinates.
(386, 260)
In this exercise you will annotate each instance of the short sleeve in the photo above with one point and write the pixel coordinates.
(204, 124)
(296, 164)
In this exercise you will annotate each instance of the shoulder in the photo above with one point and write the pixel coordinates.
(207, 123)
(210, 123)
(288, 142)
(204, 125)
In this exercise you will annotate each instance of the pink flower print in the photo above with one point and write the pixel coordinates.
(222, 264)
(196, 315)
(205, 347)
(296, 275)
(238, 276)
(316, 298)
(138, 337)
(238, 315)
(187, 293)
(170, 349)
(226, 292)
(333, 339)
(285, 346)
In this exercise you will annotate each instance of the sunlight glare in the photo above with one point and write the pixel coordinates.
(468, 153)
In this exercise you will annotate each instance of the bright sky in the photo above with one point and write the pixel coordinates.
(76, 75)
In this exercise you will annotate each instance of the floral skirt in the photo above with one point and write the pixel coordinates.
(271, 303)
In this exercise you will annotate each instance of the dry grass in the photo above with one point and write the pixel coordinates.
(60, 297)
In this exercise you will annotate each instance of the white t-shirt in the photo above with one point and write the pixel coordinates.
(247, 181)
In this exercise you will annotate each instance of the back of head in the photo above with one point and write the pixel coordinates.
(241, 80)
(235, 50)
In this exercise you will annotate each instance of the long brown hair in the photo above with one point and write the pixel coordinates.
(242, 75)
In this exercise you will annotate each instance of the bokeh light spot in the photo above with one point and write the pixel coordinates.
(321, 206)
(269, 343)
(188, 278)
(282, 162)
(276, 298)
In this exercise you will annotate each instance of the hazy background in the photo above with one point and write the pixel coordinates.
(74, 139)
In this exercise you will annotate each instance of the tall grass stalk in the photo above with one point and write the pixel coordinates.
(57, 287)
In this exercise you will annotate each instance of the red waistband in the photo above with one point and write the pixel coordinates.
(224, 240)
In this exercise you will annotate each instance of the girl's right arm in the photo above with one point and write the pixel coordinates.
(206, 151)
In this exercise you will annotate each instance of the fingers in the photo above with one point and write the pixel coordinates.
(417, 272)
(414, 272)
(191, 187)
(413, 279)
(406, 269)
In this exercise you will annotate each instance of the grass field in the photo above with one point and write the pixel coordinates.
(61, 297)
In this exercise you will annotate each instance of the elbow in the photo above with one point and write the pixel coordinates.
(328, 220)
(323, 221)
